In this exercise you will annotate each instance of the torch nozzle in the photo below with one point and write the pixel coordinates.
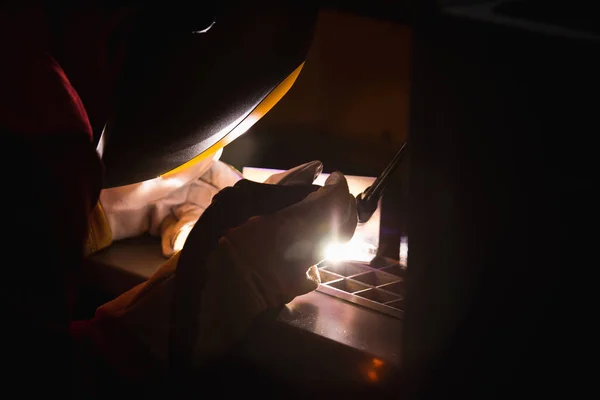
(367, 201)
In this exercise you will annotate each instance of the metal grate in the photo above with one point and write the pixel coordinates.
(378, 285)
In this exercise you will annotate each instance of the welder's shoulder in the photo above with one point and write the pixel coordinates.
(37, 98)
(45, 135)
(44, 127)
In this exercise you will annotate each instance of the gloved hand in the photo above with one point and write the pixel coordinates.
(258, 264)
(249, 251)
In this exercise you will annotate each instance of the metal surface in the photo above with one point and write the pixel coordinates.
(326, 316)
(378, 285)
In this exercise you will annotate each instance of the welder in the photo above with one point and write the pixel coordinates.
(107, 107)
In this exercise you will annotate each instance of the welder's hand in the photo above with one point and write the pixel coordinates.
(261, 260)
(249, 251)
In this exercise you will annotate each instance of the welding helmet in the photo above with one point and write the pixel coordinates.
(196, 77)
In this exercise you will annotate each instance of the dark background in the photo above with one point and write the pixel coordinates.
(349, 106)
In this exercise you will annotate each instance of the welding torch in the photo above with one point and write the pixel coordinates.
(367, 201)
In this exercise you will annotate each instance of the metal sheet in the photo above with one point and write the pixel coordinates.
(378, 285)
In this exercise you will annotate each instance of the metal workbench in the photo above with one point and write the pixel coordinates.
(321, 339)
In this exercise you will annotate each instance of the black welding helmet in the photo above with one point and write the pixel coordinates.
(196, 78)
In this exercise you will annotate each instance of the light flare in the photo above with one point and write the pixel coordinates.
(356, 249)
(181, 237)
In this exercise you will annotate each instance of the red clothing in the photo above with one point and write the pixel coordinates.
(53, 181)
(53, 178)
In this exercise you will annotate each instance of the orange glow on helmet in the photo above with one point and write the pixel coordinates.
(187, 92)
